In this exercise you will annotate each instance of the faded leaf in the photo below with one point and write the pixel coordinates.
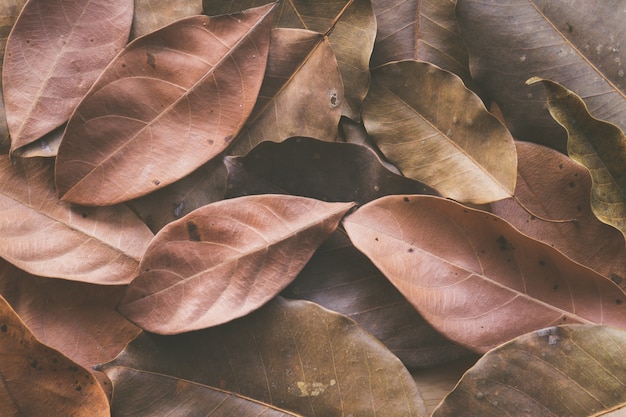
(551, 185)
(437, 131)
(9, 11)
(39, 381)
(47, 237)
(424, 30)
(473, 276)
(599, 146)
(46, 146)
(75, 318)
(292, 354)
(54, 53)
(311, 168)
(351, 29)
(301, 93)
(139, 393)
(583, 363)
(226, 259)
(342, 279)
(578, 44)
(151, 15)
(195, 80)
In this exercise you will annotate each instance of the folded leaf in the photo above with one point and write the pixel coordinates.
(226, 259)
(54, 53)
(599, 146)
(139, 393)
(583, 363)
(195, 80)
(151, 15)
(51, 238)
(437, 131)
(473, 276)
(292, 354)
(38, 380)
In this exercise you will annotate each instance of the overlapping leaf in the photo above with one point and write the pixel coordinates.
(195, 80)
(578, 45)
(551, 185)
(47, 237)
(292, 354)
(151, 15)
(54, 53)
(38, 380)
(437, 131)
(584, 364)
(473, 276)
(226, 259)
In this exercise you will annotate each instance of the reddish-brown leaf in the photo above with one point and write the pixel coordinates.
(39, 381)
(51, 238)
(225, 260)
(54, 53)
(473, 276)
(195, 80)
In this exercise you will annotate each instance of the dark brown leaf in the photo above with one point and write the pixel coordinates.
(226, 259)
(54, 53)
(292, 354)
(473, 276)
(195, 80)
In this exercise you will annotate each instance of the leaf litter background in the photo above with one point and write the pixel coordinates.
(299, 209)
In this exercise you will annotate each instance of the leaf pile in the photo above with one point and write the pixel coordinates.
(298, 208)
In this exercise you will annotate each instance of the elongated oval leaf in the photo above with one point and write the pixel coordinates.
(225, 260)
(195, 80)
(39, 381)
(578, 45)
(437, 131)
(139, 393)
(599, 146)
(151, 15)
(473, 276)
(47, 237)
(584, 364)
(553, 186)
(54, 53)
(292, 354)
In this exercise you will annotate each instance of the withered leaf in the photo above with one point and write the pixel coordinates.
(151, 15)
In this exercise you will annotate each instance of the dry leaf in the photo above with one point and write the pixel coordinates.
(151, 15)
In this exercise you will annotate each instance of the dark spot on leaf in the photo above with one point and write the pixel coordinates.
(542, 262)
(560, 166)
(72, 368)
(555, 287)
(533, 218)
(564, 318)
(79, 388)
(55, 360)
(150, 60)
(3, 328)
(85, 215)
(123, 65)
(504, 244)
(33, 364)
(572, 184)
(156, 182)
(579, 208)
(376, 239)
(228, 138)
(616, 278)
(210, 141)
(570, 28)
(91, 40)
(406, 199)
(192, 231)
(410, 250)
(618, 301)
(28, 41)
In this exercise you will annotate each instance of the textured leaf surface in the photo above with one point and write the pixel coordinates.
(38, 380)
(54, 53)
(151, 15)
(47, 237)
(599, 146)
(473, 276)
(226, 259)
(292, 354)
(329, 171)
(584, 363)
(140, 393)
(577, 44)
(437, 131)
(195, 80)
(553, 186)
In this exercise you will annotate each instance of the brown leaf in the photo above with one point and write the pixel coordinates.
(38, 380)
(577, 45)
(47, 237)
(329, 171)
(585, 363)
(473, 276)
(196, 80)
(54, 53)
(301, 93)
(139, 393)
(151, 15)
(75, 318)
(226, 259)
(551, 185)
(342, 279)
(292, 354)
(435, 130)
